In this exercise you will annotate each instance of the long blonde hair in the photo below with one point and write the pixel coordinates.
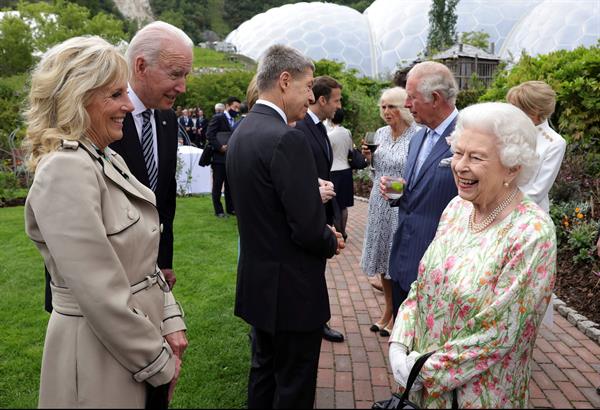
(61, 87)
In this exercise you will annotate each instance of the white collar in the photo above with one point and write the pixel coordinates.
(138, 105)
(439, 130)
(314, 116)
(275, 107)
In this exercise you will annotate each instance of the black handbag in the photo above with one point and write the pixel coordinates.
(356, 159)
(401, 401)
(207, 156)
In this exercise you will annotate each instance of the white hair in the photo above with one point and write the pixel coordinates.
(154, 38)
(397, 97)
(434, 76)
(516, 135)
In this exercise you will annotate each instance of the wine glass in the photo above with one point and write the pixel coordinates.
(370, 141)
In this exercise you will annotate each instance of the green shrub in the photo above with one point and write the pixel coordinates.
(9, 186)
(575, 76)
(576, 231)
(360, 97)
(13, 91)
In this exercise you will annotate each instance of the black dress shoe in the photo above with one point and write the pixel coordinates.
(332, 335)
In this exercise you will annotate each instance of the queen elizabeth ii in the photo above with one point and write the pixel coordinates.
(487, 277)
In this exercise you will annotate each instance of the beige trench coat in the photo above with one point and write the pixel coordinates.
(97, 229)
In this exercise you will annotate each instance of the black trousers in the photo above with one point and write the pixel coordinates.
(283, 372)
(220, 178)
(398, 296)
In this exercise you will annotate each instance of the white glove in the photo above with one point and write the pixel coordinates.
(401, 365)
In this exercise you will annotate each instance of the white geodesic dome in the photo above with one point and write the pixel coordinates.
(319, 30)
(392, 33)
(555, 25)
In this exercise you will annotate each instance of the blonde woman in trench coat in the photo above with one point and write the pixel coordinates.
(97, 229)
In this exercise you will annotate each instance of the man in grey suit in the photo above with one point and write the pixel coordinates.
(432, 92)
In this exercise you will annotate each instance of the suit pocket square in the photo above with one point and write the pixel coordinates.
(445, 162)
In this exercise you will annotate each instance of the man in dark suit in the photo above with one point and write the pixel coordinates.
(223, 122)
(186, 121)
(328, 98)
(430, 186)
(199, 125)
(284, 238)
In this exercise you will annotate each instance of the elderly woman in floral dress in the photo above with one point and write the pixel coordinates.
(487, 277)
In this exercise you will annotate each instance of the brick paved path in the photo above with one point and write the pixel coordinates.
(566, 368)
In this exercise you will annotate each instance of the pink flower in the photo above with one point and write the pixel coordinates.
(449, 264)
(436, 276)
(463, 311)
(477, 388)
(481, 365)
(430, 321)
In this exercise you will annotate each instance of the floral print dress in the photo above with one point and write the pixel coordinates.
(478, 302)
(389, 159)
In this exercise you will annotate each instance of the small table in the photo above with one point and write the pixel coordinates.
(191, 177)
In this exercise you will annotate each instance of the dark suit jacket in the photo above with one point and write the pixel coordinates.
(130, 148)
(217, 123)
(420, 208)
(323, 155)
(284, 240)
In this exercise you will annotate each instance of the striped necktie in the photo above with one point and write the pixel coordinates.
(148, 149)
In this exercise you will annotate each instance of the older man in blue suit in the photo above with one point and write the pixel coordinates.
(432, 92)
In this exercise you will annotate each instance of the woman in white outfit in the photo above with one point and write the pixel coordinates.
(537, 99)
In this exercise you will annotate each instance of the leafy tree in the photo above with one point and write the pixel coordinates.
(442, 25)
(16, 46)
(174, 17)
(479, 39)
(360, 96)
(62, 20)
(208, 89)
(13, 91)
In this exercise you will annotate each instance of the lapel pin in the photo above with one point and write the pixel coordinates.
(164, 123)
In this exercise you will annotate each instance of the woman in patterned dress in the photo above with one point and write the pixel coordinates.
(487, 277)
(388, 159)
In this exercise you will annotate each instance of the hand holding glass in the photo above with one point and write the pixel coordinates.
(394, 186)
(370, 141)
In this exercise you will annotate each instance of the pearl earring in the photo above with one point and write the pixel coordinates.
(505, 184)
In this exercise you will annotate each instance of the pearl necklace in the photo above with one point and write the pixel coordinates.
(478, 227)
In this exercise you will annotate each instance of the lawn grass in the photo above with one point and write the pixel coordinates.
(215, 367)
(205, 57)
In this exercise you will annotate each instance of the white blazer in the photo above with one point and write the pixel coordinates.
(551, 149)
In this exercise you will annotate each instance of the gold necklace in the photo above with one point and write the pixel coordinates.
(478, 227)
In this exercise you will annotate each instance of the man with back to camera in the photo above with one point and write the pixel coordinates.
(430, 186)
(284, 238)
(328, 98)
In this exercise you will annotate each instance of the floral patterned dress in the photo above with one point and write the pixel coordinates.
(478, 302)
(389, 159)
